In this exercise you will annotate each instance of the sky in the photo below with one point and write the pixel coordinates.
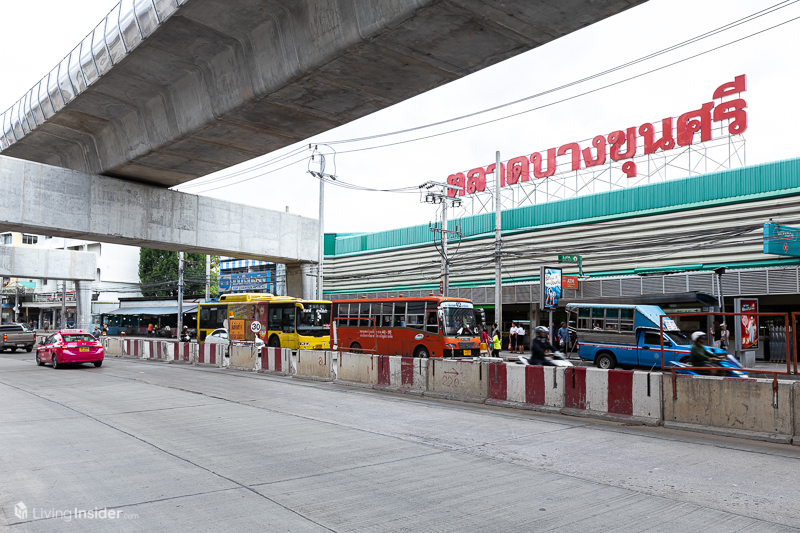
(768, 59)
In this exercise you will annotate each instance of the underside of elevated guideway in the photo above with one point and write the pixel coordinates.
(195, 89)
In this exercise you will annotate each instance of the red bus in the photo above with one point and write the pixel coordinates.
(432, 326)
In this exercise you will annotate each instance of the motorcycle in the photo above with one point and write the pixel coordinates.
(554, 359)
(735, 368)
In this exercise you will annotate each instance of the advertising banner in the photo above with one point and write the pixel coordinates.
(746, 324)
(550, 280)
(781, 240)
(252, 281)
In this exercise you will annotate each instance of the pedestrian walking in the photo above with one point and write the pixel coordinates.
(496, 343)
(150, 329)
(563, 337)
(512, 338)
(723, 337)
(717, 332)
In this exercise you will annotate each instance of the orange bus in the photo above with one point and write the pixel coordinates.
(432, 326)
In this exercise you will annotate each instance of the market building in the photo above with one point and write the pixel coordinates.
(658, 243)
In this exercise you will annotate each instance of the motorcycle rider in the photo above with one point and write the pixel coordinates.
(699, 357)
(540, 347)
(185, 337)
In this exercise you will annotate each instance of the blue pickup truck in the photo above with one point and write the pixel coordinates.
(627, 335)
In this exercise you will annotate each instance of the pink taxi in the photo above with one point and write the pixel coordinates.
(69, 346)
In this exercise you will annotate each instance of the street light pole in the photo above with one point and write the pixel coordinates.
(180, 295)
(498, 281)
(321, 176)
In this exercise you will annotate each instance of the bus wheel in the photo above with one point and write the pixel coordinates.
(274, 342)
(606, 361)
(355, 347)
(421, 352)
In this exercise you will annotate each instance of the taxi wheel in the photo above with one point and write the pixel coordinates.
(39, 360)
(55, 361)
(98, 364)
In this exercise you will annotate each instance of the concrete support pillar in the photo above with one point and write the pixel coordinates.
(83, 306)
(301, 281)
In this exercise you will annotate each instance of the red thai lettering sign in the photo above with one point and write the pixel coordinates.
(569, 282)
(619, 145)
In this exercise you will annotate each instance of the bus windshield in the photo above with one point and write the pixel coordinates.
(314, 320)
(459, 321)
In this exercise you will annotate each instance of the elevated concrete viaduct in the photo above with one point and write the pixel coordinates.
(54, 201)
(183, 88)
(38, 263)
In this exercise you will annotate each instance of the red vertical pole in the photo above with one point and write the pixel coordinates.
(661, 336)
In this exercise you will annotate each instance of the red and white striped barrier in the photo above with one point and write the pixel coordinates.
(132, 348)
(182, 352)
(539, 388)
(402, 374)
(211, 354)
(613, 394)
(275, 361)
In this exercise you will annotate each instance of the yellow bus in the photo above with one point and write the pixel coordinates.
(279, 321)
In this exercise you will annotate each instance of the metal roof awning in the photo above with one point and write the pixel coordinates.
(152, 311)
(702, 298)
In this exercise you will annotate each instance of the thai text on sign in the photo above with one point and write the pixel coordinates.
(619, 145)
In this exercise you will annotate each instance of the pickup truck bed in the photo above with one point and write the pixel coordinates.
(14, 336)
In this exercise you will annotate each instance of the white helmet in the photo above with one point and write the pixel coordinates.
(542, 329)
(698, 335)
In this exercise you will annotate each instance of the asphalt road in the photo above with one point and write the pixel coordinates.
(183, 448)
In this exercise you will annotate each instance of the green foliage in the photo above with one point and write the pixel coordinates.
(158, 273)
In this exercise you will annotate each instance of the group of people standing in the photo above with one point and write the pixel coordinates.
(516, 338)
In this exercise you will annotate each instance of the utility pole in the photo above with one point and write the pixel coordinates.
(208, 277)
(442, 198)
(63, 305)
(180, 295)
(498, 282)
(321, 176)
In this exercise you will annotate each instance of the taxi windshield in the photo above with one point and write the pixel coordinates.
(78, 337)
(459, 321)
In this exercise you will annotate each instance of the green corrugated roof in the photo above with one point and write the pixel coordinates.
(737, 185)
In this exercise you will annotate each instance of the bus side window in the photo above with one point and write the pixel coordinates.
(364, 314)
(275, 318)
(400, 315)
(288, 319)
(386, 315)
(584, 320)
(598, 319)
(432, 322)
(626, 320)
(612, 320)
(416, 315)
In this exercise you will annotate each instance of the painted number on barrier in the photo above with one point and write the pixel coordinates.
(321, 362)
(450, 379)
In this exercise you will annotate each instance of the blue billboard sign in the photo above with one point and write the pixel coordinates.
(252, 281)
(550, 283)
(781, 240)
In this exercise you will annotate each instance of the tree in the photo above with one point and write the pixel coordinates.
(158, 273)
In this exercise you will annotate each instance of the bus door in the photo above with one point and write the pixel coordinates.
(282, 320)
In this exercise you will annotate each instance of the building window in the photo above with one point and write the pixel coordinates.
(5, 239)
(29, 239)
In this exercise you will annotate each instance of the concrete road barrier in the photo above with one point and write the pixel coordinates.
(361, 368)
(132, 348)
(314, 364)
(211, 354)
(182, 352)
(611, 394)
(112, 347)
(275, 361)
(243, 358)
(405, 374)
(729, 406)
(457, 380)
(530, 387)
